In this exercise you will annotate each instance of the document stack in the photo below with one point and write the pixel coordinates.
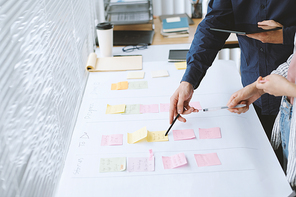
(175, 27)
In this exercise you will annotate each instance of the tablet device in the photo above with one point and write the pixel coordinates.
(246, 29)
(177, 55)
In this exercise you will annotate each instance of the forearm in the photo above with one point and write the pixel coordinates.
(290, 90)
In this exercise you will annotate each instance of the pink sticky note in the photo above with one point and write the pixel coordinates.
(174, 161)
(196, 105)
(210, 159)
(149, 108)
(140, 164)
(185, 134)
(210, 133)
(164, 107)
(110, 140)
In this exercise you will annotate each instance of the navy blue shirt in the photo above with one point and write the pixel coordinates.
(257, 58)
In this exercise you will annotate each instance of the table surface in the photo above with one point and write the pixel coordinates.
(159, 39)
(248, 164)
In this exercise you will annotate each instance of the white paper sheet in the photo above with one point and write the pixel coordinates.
(248, 164)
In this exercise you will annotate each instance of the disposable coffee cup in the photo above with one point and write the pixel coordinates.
(105, 38)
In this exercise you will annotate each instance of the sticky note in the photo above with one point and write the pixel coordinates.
(138, 85)
(159, 73)
(180, 65)
(140, 164)
(210, 159)
(174, 161)
(196, 105)
(116, 164)
(119, 86)
(115, 109)
(110, 140)
(136, 75)
(132, 109)
(157, 136)
(153, 108)
(210, 133)
(185, 134)
(164, 107)
(137, 135)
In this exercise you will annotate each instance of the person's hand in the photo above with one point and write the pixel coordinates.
(247, 96)
(275, 37)
(276, 85)
(179, 102)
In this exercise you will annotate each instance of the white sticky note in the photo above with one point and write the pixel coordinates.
(136, 75)
(159, 73)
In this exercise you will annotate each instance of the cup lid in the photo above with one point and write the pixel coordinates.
(105, 25)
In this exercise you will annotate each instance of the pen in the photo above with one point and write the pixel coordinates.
(224, 107)
(172, 124)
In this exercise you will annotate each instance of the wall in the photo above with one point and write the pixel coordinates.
(44, 46)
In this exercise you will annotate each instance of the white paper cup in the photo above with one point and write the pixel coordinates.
(105, 38)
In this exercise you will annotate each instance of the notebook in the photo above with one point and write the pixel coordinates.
(175, 24)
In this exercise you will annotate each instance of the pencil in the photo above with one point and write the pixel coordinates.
(172, 124)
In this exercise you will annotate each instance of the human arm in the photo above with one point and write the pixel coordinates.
(207, 43)
(179, 102)
(277, 85)
(246, 95)
(282, 36)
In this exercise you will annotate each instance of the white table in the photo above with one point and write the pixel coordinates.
(249, 165)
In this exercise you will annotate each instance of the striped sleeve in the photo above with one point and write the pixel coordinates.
(283, 68)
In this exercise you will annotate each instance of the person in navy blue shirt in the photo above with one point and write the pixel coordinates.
(261, 53)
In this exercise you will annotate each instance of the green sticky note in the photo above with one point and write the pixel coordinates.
(138, 85)
(132, 109)
(116, 164)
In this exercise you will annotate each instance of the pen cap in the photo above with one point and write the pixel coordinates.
(105, 38)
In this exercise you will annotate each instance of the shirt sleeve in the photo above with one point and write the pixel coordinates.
(207, 43)
(289, 34)
(283, 68)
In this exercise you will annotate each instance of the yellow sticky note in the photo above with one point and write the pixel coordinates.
(180, 65)
(119, 86)
(115, 109)
(136, 75)
(137, 135)
(157, 136)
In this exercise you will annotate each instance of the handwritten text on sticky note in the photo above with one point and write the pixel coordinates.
(210, 133)
(157, 136)
(140, 164)
(132, 109)
(185, 134)
(115, 164)
(210, 159)
(110, 140)
(174, 161)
